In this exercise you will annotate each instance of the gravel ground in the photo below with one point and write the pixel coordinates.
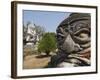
(31, 62)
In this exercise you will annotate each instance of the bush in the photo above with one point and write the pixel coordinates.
(47, 43)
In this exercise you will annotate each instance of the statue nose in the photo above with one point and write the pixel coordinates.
(69, 45)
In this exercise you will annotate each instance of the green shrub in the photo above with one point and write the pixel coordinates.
(47, 43)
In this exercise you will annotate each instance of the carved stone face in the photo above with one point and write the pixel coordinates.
(73, 34)
(69, 45)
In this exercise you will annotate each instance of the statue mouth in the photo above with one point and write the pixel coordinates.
(85, 53)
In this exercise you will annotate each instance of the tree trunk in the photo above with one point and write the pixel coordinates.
(47, 53)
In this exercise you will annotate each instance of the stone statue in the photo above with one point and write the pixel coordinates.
(73, 41)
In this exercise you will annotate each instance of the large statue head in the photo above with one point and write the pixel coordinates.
(74, 33)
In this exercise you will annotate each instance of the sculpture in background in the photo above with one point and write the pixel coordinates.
(32, 34)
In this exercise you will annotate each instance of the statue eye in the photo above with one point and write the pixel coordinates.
(82, 32)
(82, 35)
(79, 25)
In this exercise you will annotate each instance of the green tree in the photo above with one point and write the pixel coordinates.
(47, 43)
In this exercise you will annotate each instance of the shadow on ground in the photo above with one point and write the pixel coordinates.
(43, 56)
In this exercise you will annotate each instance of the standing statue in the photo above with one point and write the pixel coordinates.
(73, 41)
(30, 35)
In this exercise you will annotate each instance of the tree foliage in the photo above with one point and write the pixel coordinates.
(47, 43)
